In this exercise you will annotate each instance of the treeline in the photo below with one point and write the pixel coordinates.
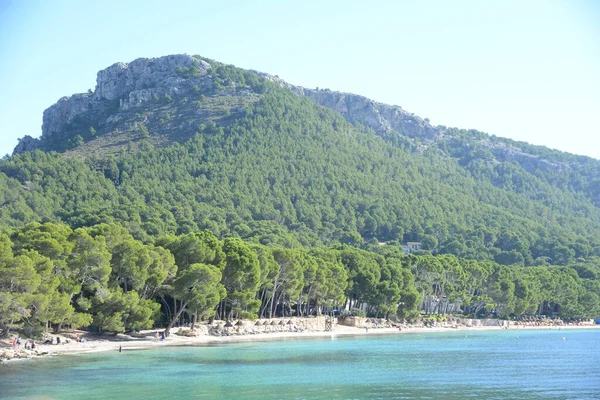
(101, 277)
(293, 174)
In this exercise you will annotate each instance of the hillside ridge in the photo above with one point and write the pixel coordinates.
(124, 87)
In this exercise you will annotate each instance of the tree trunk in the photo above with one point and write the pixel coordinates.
(175, 317)
(5, 331)
(175, 308)
(166, 303)
(261, 310)
(279, 302)
(273, 297)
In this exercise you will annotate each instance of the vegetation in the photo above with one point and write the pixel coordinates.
(248, 201)
(291, 173)
(101, 277)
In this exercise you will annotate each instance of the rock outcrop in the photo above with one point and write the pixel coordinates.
(382, 118)
(27, 143)
(63, 113)
(122, 80)
(529, 162)
(125, 85)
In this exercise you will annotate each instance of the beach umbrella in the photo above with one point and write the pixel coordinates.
(290, 322)
(228, 325)
(273, 322)
(258, 323)
(239, 323)
(281, 325)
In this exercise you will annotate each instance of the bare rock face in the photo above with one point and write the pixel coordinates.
(529, 162)
(121, 79)
(382, 118)
(63, 112)
(129, 84)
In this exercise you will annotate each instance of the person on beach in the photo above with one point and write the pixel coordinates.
(120, 348)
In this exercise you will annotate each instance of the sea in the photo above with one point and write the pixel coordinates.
(545, 364)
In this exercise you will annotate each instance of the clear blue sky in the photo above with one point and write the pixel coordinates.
(527, 70)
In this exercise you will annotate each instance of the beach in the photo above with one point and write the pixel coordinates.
(148, 339)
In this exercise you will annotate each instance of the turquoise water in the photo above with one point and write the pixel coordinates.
(457, 365)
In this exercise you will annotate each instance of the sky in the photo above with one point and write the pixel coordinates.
(526, 70)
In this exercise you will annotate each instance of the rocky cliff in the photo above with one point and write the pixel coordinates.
(382, 118)
(129, 84)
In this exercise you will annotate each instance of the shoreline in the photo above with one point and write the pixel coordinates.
(127, 343)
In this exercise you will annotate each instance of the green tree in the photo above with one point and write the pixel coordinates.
(18, 282)
(241, 278)
(199, 287)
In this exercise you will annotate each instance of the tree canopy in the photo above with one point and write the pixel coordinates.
(102, 278)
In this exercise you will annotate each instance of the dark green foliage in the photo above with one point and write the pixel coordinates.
(51, 275)
(188, 72)
(142, 131)
(227, 75)
(291, 173)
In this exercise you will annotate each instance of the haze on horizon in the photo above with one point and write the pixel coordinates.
(522, 70)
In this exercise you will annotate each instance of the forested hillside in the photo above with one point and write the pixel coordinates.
(290, 172)
(184, 188)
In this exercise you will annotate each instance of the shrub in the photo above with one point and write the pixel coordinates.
(357, 312)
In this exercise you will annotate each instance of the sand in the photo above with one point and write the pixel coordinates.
(147, 340)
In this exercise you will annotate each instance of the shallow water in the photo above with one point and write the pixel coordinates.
(457, 365)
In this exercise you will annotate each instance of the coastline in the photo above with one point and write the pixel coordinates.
(146, 340)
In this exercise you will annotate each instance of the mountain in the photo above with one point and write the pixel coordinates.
(180, 143)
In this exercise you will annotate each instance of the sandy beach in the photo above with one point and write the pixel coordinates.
(148, 340)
